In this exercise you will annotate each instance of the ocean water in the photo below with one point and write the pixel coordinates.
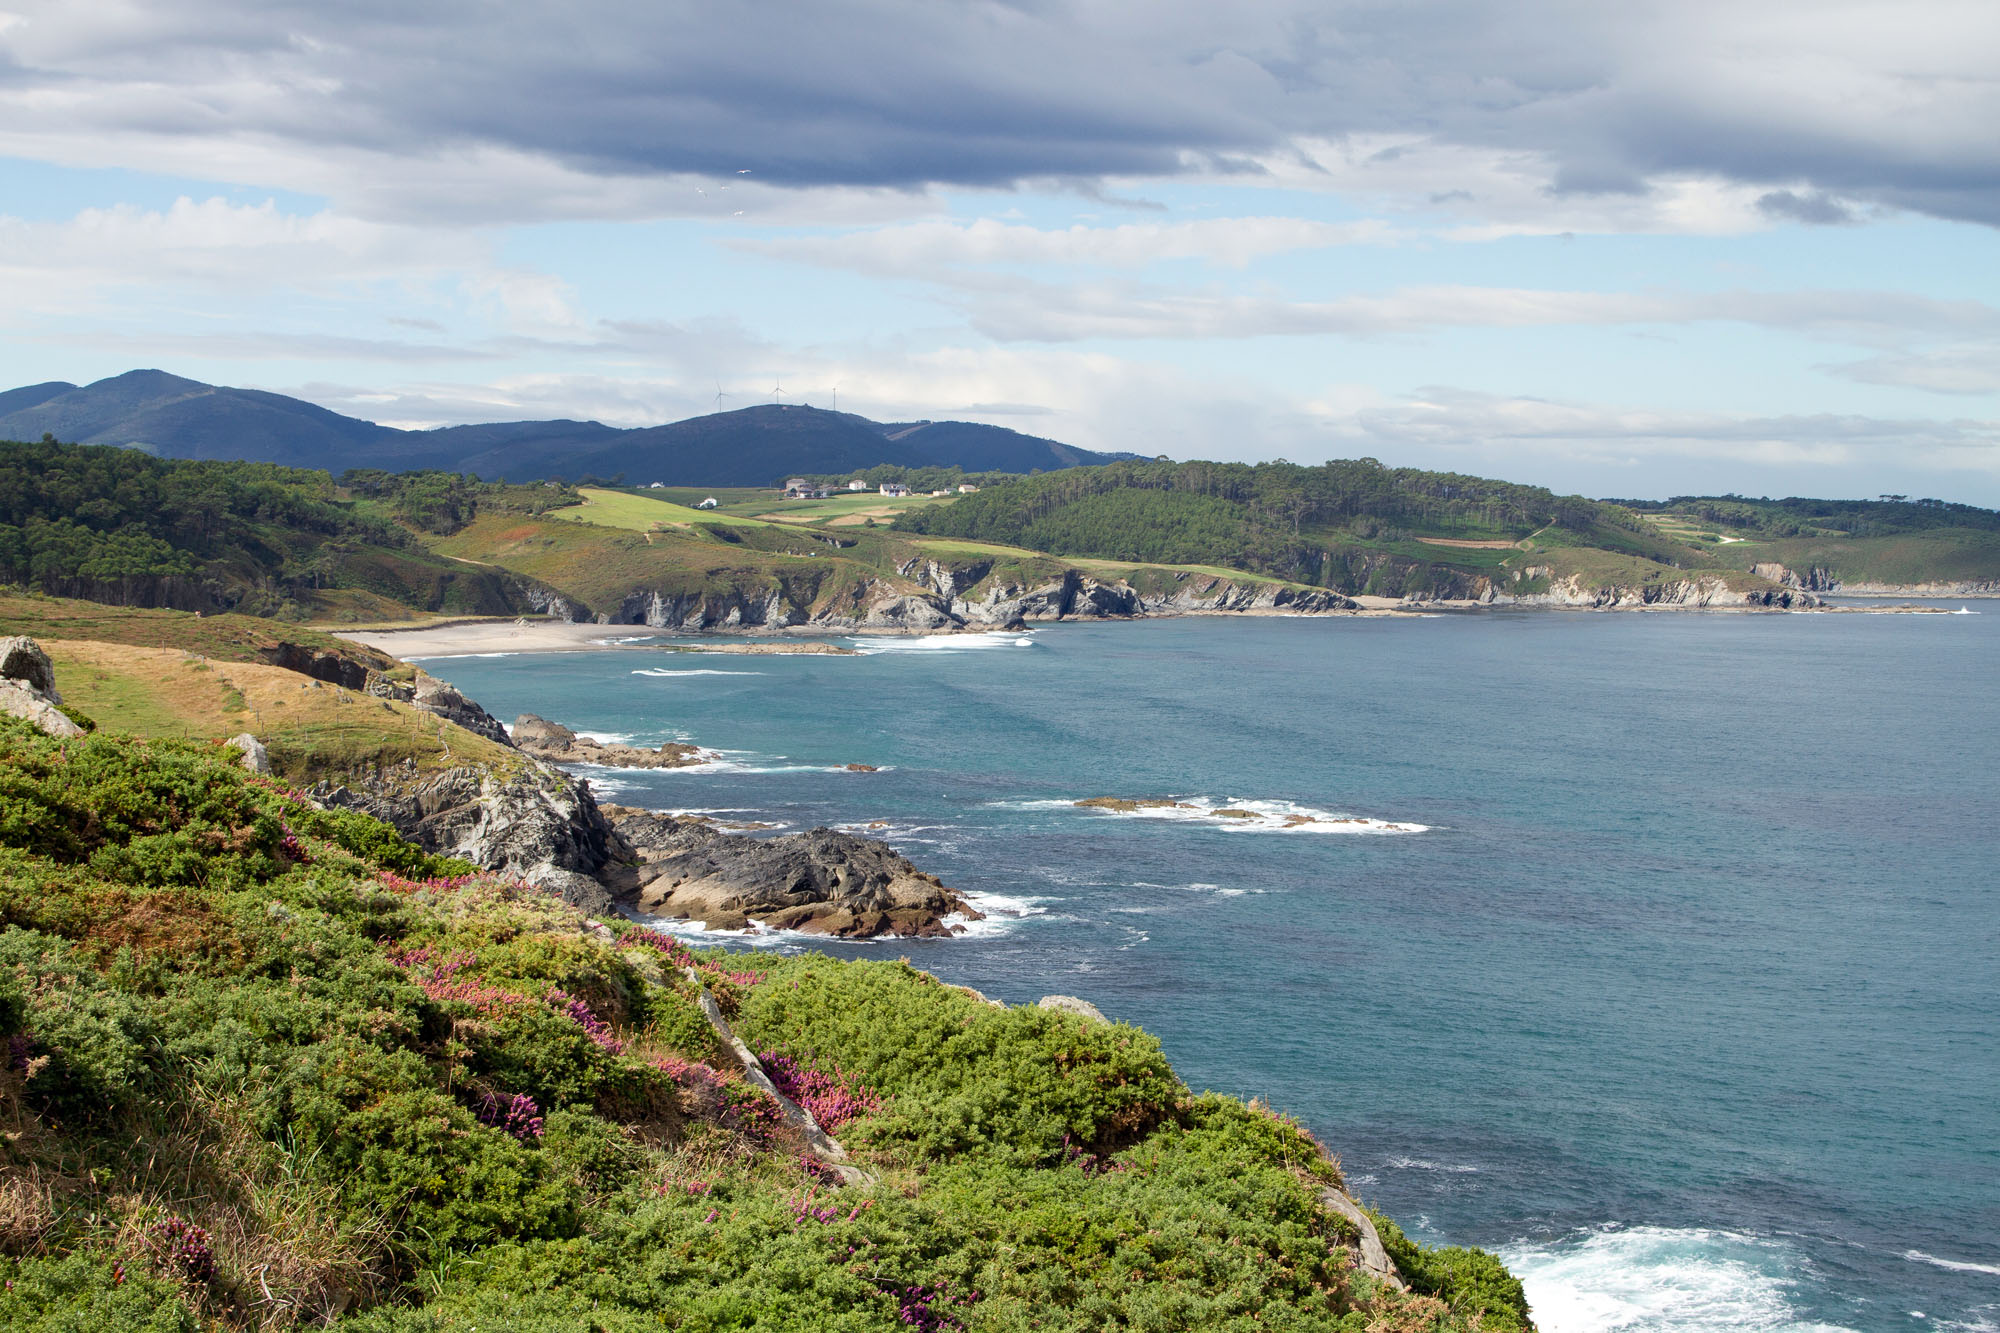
(1666, 963)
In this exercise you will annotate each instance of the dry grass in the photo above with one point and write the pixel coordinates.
(312, 728)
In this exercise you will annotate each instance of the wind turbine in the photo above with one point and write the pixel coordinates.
(836, 397)
(720, 395)
(778, 391)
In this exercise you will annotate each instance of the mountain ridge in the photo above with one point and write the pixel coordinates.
(174, 417)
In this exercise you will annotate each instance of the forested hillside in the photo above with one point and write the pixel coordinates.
(120, 526)
(1351, 525)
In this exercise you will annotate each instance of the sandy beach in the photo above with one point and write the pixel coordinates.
(466, 638)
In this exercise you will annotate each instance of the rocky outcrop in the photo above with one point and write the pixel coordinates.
(934, 597)
(28, 689)
(353, 669)
(1077, 595)
(535, 822)
(821, 882)
(559, 745)
(1694, 591)
(436, 697)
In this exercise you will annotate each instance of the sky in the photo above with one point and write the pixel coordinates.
(1632, 250)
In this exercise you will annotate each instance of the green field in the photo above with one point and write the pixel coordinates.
(642, 513)
(849, 510)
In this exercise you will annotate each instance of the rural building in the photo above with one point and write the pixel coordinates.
(709, 503)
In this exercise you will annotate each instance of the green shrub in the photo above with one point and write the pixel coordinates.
(88, 1294)
(1470, 1281)
(92, 1046)
(960, 1076)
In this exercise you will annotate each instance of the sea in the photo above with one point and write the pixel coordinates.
(1658, 953)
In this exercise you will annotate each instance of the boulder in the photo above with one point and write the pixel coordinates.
(255, 757)
(23, 661)
(1069, 1004)
(31, 706)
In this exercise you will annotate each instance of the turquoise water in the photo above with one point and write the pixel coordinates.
(1683, 998)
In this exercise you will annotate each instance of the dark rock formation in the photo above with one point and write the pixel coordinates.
(559, 745)
(822, 882)
(535, 822)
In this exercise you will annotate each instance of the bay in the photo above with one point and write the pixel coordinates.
(1684, 998)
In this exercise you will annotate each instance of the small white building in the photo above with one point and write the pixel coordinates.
(798, 484)
(894, 488)
(857, 485)
(709, 503)
(657, 486)
(968, 488)
(935, 494)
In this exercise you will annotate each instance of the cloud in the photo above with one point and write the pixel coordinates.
(1015, 311)
(1814, 208)
(124, 258)
(448, 109)
(918, 247)
(1952, 370)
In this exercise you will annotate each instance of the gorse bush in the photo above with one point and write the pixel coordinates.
(266, 1066)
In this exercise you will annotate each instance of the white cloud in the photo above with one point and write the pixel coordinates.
(125, 257)
(1040, 312)
(1949, 370)
(917, 248)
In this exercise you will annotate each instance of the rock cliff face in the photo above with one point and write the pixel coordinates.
(933, 596)
(1694, 591)
(535, 822)
(821, 882)
(1819, 579)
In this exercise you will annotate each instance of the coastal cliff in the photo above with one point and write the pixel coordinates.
(270, 1066)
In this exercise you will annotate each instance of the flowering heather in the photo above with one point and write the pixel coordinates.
(807, 1207)
(440, 980)
(395, 883)
(518, 1116)
(928, 1307)
(679, 955)
(1090, 1163)
(294, 850)
(183, 1248)
(580, 1014)
(832, 1099)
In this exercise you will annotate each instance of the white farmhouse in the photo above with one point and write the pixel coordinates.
(709, 503)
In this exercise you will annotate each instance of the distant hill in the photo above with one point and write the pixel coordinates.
(173, 417)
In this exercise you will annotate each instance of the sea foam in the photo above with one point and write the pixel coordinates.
(1661, 1280)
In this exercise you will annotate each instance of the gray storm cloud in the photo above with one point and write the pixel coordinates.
(1826, 107)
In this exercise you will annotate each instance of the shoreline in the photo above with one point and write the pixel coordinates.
(500, 637)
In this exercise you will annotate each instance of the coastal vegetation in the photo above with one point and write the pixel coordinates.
(122, 527)
(269, 1065)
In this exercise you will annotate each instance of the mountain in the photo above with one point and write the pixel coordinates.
(753, 446)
